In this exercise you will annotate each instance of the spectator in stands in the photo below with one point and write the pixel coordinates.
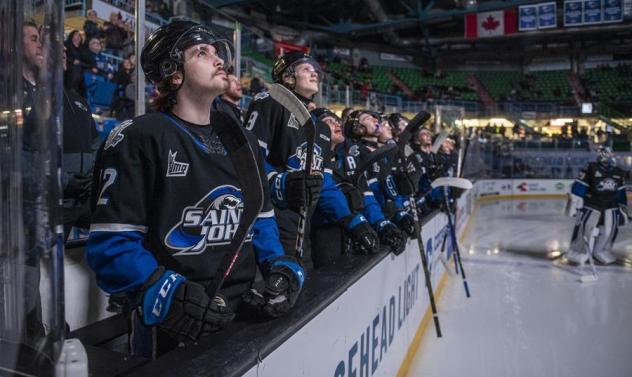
(115, 34)
(73, 76)
(97, 62)
(128, 42)
(164, 11)
(91, 27)
(230, 100)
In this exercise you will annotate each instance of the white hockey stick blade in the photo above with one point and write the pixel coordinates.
(439, 140)
(462, 183)
(288, 100)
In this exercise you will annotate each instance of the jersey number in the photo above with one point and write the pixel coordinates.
(251, 120)
(107, 177)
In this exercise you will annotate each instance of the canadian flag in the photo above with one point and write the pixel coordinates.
(491, 24)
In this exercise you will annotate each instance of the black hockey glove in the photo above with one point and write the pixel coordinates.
(284, 279)
(289, 190)
(363, 237)
(405, 185)
(181, 308)
(405, 222)
(355, 199)
(390, 235)
(78, 187)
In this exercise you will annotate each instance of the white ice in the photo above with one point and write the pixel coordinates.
(528, 314)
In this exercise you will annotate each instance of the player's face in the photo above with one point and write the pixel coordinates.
(386, 132)
(370, 123)
(307, 78)
(204, 69)
(425, 138)
(446, 146)
(336, 130)
(401, 125)
(32, 47)
(234, 87)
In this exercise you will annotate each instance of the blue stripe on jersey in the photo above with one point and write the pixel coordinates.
(372, 210)
(266, 240)
(579, 188)
(120, 261)
(332, 201)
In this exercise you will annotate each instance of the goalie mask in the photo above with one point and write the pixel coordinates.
(606, 157)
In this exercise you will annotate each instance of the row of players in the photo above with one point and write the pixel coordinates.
(167, 198)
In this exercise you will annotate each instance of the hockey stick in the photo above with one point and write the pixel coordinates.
(455, 241)
(412, 127)
(439, 140)
(245, 164)
(424, 263)
(460, 183)
(375, 156)
(292, 104)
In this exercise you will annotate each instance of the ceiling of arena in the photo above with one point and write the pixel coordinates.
(422, 28)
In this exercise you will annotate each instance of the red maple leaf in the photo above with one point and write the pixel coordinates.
(490, 23)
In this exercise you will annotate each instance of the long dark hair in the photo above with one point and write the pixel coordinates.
(166, 98)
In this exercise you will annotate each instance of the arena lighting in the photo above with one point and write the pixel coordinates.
(497, 120)
(560, 121)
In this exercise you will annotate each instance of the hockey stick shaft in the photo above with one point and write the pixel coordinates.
(424, 263)
(456, 244)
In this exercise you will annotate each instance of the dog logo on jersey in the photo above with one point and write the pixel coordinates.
(175, 168)
(607, 184)
(293, 122)
(116, 135)
(297, 160)
(354, 150)
(261, 95)
(212, 221)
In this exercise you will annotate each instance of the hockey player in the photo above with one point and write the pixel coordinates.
(599, 194)
(363, 130)
(168, 202)
(359, 197)
(424, 161)
(285, 144)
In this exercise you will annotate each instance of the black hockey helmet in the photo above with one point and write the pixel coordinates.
(322, 113)
(393, 120)
(284, 65)
(352, 127)
(163, 53)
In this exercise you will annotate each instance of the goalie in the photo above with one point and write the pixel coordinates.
(598, 196)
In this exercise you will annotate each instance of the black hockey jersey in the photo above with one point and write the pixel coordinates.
(601, 188)
(167, 194)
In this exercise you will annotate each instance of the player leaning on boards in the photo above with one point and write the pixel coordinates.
(169, 200)
(599, 196)
(285, 142)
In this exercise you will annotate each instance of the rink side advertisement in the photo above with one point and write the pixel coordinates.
(368, 330)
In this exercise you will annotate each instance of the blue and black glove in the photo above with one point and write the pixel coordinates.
(392, 236)
(284, 277)
(295, 189)
(363, 237)
(405, 222)
(181, 308)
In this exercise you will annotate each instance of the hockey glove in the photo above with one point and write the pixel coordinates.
(181, 308)
(284, 279)
(78, 187)
(390, 235)
(405, 222)
(290, 190)
(354, 197)
(363, 237)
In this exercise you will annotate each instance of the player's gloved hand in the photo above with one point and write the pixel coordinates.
(390, 235)
(181, 308)
(290, 190)
(363, 237)
(78, 187)
(405, 222)
(284, 279)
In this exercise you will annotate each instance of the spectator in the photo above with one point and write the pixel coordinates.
(91, 27)
(73, 75)
(98, 64)
(115, 34)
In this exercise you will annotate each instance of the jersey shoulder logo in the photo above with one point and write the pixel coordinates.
(598, 174)
(354, 150)
(212, 221)
(116, 135)
(293, 122)
(81, 106)
(261, 95)
(176, 168)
